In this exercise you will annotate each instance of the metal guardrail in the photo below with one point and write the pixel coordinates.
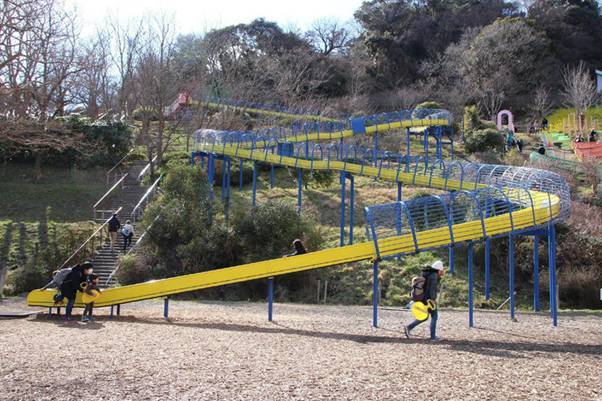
(91, 240)
(112, 173)
(145, 199)
(102, 212)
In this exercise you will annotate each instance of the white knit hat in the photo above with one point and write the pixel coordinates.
(438, 265)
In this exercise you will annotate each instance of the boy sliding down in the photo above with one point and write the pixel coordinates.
(92, 290)
(432, 274)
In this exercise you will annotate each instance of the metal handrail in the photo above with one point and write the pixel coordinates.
(86, 241)
(108, 173)
(144, 197)
(145, 169)
(110, 190)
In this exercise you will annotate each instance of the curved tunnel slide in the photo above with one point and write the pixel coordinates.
(531, 208)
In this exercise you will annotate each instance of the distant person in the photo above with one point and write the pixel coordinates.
(593, 136)
(58, 276)
(544, 123)
(579, 138)
(520, 144)
(128, 233)
(92, 286)
(73, 283)
(432, 274)
(114, 225)
(299, 248)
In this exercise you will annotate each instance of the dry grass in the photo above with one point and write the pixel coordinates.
(228, 352)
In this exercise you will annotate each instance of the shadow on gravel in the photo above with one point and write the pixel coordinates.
(71, 324)
(502, 349)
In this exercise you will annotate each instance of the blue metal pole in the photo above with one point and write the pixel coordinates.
(342, 239)
(299, 189)
(118, 309)
(254, 197)
(240, 175)
(452, 252)
(536, 273)
(426, 148)
(470, 285)
(408, 149)
(511, 273)
(375, 150)
(166, 308)
(375, 294)
(399, 186)
(487, 268)
(270, 298)
(110, 314)
(351, 202)
(552, 268)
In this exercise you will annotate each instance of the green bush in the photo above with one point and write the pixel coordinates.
(484, 140)
(27, 278)
(267, 231)
(133, 269)
(429, 105)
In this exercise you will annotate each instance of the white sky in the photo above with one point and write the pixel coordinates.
(203, 15)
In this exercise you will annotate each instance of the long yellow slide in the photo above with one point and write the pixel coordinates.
(536, 209)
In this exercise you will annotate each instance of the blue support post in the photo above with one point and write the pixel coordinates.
(470, 251)
(552, 270)
(166, 308)
(299, 189)
(487, 268)
(408, 149)
(240, 173)
(270, 298)
(342, 179)
(399, 187)
(426, 148)
(375, 150)
(254, 196)
(536, 273)
(111, 313)
(452, 252)
(511, 273)
(375, 294)
(118, 309)
(351, 202)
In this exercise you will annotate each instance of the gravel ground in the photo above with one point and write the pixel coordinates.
(228, 351)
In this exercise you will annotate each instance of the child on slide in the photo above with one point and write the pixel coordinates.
(92, 291)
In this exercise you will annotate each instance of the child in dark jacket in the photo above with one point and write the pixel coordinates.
(92, 289)
(432, 275)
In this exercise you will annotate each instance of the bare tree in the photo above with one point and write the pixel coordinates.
(579, 90)
(329, 35)
(542, 103)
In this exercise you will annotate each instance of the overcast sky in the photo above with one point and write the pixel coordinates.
(202, 15)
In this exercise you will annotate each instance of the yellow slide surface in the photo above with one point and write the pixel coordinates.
(545, 208)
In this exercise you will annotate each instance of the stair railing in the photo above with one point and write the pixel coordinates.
(101, 214)
(143, 202)
(90, 243)
(115, 171)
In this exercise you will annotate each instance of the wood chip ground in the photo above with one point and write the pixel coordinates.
(228, 351)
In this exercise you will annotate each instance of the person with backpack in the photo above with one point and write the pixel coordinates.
(73, 283)
(128, 233)
(58, 276)
(114, 226)
(425, 288)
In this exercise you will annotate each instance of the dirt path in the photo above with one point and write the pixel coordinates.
(229, 352)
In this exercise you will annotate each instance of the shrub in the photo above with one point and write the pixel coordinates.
(484, 140)
(429, 105)
(133, 269)
(27, 278)
(267, 231)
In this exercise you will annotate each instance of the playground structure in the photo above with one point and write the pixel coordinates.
(484, 202)
(509, 118)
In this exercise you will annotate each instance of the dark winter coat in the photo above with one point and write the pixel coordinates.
(114, 224)
(432, 283)
(73, 281)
